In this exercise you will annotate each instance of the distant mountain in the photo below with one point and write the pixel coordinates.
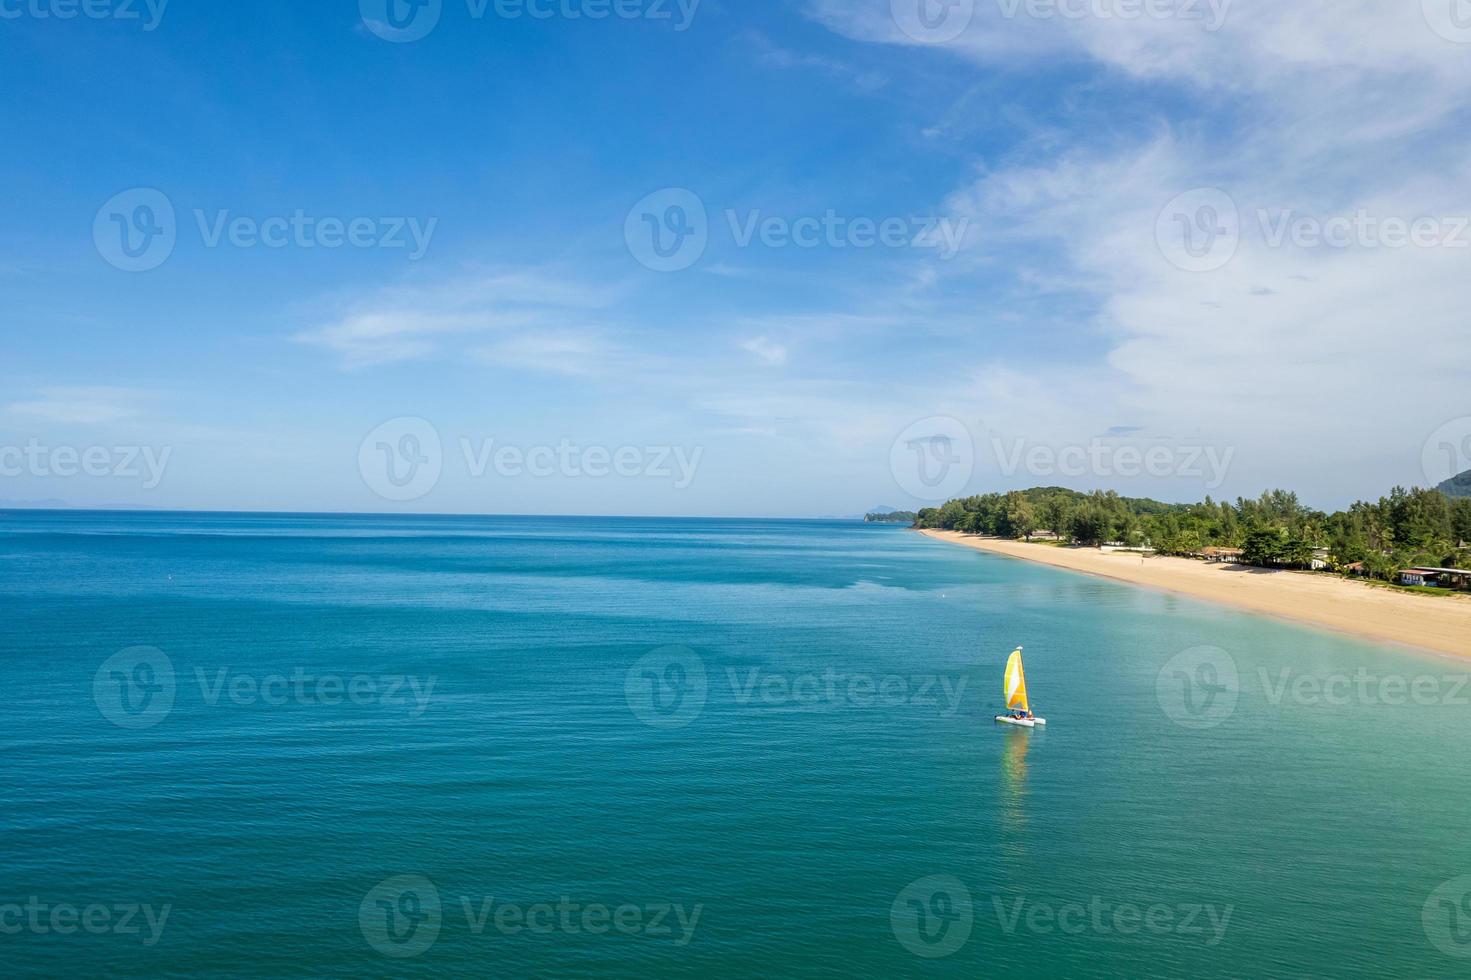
(881, 509)
(1457, 486)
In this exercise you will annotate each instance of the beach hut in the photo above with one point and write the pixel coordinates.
(1446, 578)
(1215, 554)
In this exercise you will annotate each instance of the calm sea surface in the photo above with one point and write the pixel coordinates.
(337, 746)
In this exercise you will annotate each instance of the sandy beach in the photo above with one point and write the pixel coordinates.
(1441, 624)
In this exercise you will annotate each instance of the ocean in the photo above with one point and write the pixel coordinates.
(288, 746)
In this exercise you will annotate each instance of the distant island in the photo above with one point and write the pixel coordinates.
(1408, 529)
(884, 516)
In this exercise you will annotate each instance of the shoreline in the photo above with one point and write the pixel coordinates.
(1437, 624)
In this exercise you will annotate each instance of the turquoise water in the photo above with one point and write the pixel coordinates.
(757, 747)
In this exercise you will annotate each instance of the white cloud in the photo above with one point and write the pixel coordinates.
(765, 348)
(1326, 367)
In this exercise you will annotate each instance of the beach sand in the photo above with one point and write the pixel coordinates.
(1441, 624)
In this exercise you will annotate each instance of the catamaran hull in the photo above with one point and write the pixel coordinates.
(1023, 722)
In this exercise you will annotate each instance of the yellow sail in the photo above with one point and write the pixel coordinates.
(1016, 683)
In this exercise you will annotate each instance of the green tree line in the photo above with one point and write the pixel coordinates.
(1405, 528)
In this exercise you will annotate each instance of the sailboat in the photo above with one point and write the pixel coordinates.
(1015, 689)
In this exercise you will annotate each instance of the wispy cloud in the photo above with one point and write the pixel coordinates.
(775, 56)
(420, 320)
(82, 405)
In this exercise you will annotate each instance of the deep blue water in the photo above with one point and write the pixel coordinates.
(594, 747)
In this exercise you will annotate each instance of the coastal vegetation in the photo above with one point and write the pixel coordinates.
(1404, 529)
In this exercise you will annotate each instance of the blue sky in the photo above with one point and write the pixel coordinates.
(1029, 301)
